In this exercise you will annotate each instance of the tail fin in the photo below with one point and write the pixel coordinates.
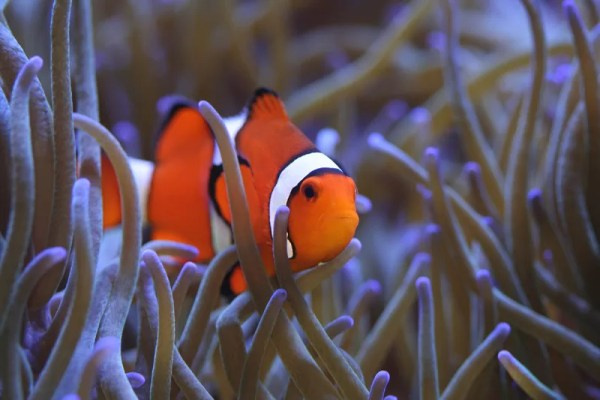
(179, 203)
(111, 202)
(111, 198)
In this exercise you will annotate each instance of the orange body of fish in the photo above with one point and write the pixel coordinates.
(186, 200)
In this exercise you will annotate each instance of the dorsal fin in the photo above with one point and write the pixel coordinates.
(266, 104)
(182, 127)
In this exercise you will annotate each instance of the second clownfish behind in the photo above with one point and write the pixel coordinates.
(187, 200)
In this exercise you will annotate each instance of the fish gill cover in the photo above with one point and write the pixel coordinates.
(472, 129)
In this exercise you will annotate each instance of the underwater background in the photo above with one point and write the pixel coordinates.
(472, 129)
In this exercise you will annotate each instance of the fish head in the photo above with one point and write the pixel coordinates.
(323, 218)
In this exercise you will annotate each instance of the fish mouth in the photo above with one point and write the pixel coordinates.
(346, 216)
(348, 220)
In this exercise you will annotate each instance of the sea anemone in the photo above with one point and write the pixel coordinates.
(471, 127)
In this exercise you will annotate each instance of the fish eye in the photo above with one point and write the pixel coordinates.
(309, 191)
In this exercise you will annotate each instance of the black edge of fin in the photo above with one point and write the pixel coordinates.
(226, 290)
(215, 173)
(176, 103)
(258, 94)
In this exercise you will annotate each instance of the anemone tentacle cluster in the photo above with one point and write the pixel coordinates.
(473, 131)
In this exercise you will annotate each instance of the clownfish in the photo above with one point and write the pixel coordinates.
(185, 199)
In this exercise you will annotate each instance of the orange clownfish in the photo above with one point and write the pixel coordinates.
(186, 198)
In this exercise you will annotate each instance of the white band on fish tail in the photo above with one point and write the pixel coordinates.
(233, 125)
(220, 230)
(142, 173)
(289, 178)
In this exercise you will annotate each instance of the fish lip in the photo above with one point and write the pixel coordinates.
(348, 215)
(345, 219)
(338, 218)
